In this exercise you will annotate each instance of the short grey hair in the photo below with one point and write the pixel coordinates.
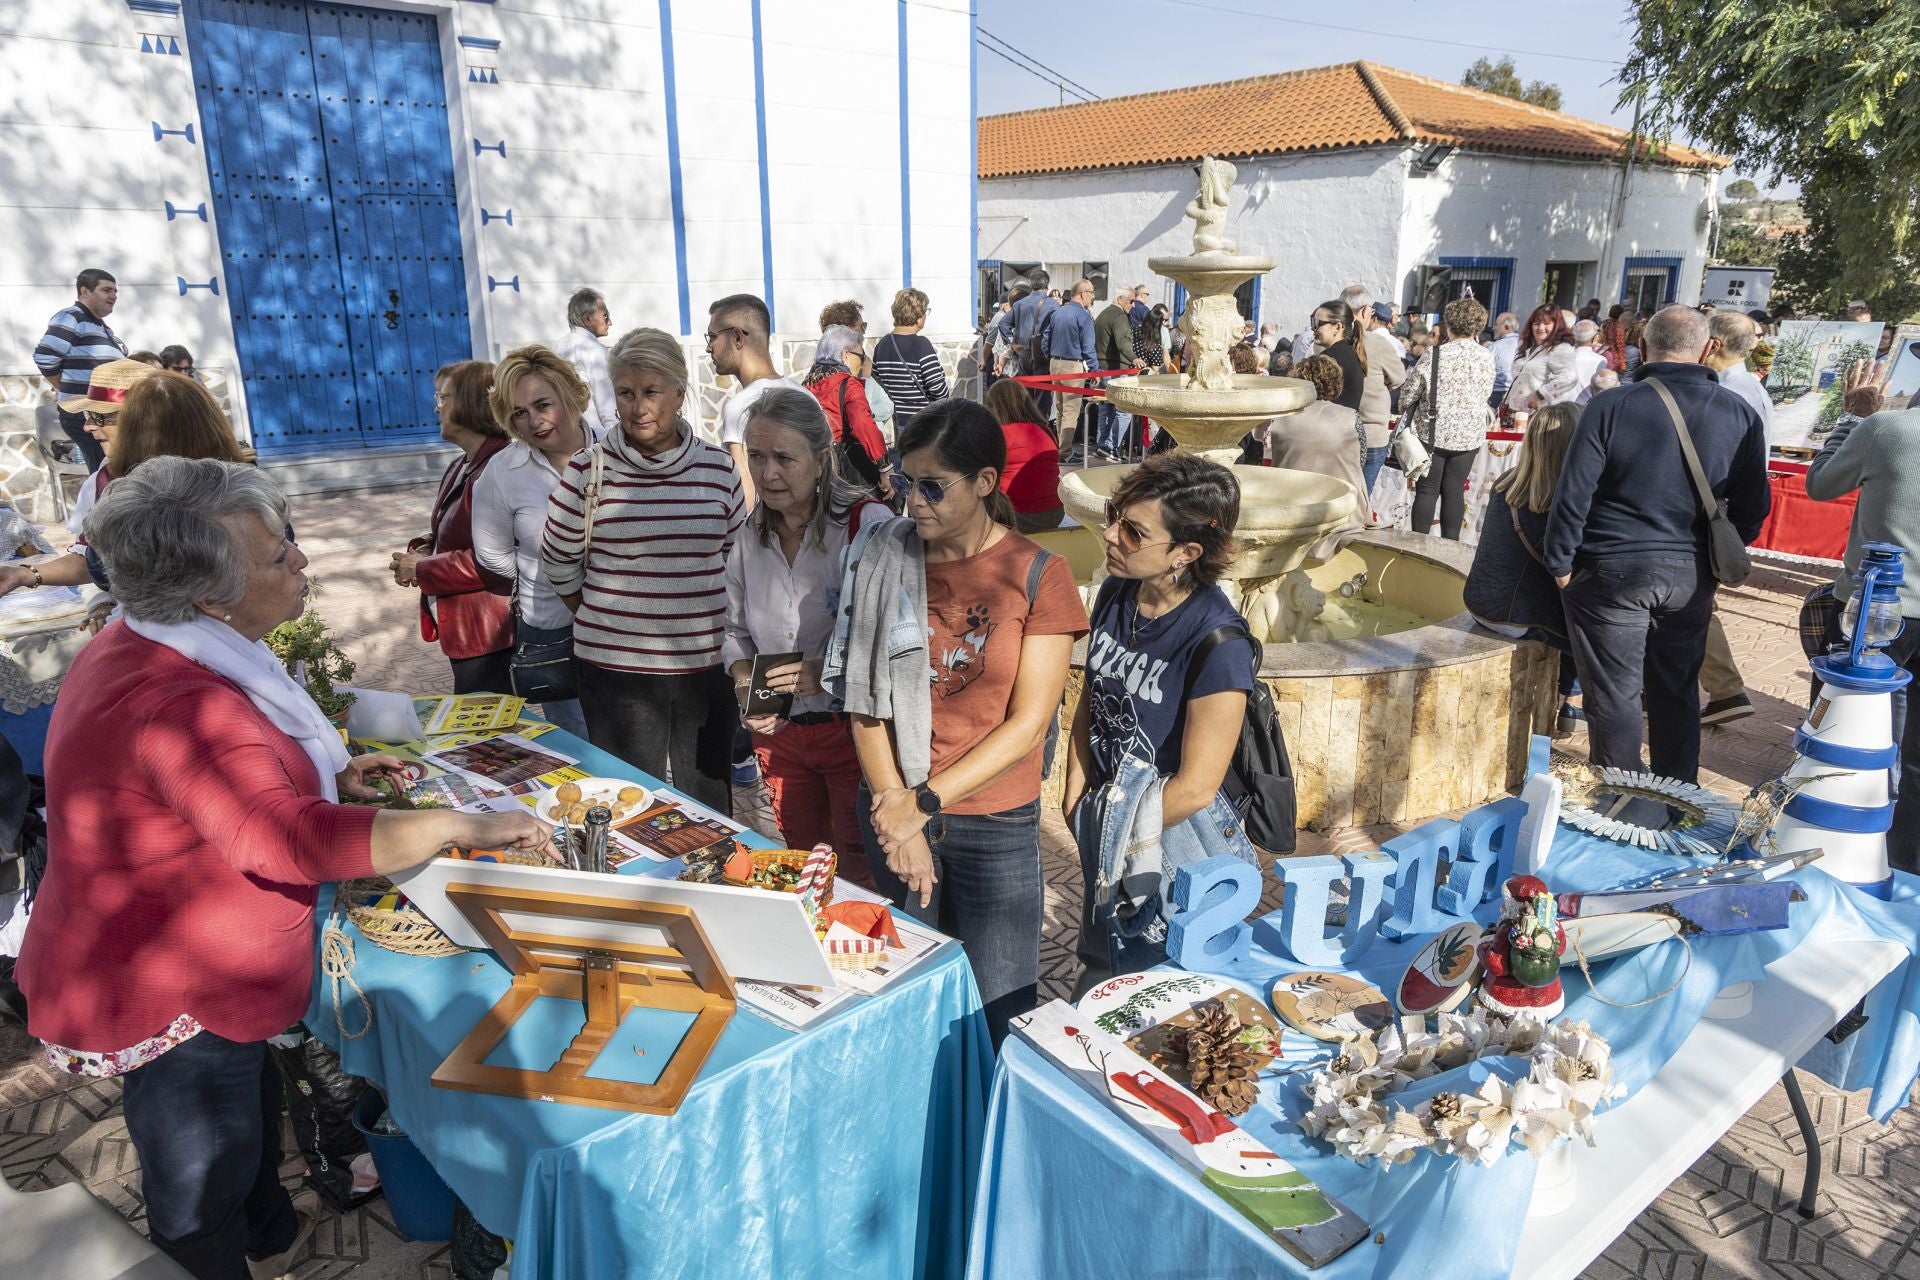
(1733, 331)
(1676, 330)
(834, 344)
(167, 534)
(581, 305)
(1584, 333)
(1357, 297)
(651, 351)
(797, 410)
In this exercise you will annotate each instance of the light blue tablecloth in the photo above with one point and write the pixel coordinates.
(1067, 1188)
(848, 1149)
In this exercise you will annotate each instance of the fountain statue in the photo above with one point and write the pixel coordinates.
(1283, 513)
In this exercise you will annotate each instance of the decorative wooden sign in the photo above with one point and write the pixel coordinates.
(1258, 1184)
(638, 954)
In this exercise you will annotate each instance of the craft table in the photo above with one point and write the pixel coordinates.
(1066, 1188)
(848, 1149)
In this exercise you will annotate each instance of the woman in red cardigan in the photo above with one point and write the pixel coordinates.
(468, 610)
(192, 792)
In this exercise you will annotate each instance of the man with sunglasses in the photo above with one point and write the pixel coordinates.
(77, 339)
(739, 329)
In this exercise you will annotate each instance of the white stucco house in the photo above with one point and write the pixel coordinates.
(1356, 173)
(326, 202)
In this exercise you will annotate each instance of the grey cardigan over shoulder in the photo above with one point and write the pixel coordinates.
(884, 671)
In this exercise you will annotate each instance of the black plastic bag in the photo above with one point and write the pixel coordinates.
(321, 1098)
(477, 1252)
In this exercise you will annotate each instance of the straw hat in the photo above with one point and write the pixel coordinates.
(107, 386)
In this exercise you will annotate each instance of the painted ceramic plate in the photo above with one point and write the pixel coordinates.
(625, 798)
(1330, 1006)
(1442, 971)
(1151, 1012)
(1599, 937)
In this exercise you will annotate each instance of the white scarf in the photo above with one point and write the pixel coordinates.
(261, 676)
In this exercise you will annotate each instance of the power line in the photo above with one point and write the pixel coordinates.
(1033, 66)
(1480, 46)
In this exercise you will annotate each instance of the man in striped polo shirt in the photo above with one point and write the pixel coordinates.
(77, 339)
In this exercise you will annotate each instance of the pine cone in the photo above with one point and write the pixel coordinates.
(1222, 1070)
(1445, 1106)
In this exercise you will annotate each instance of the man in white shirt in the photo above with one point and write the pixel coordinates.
(1730, 339)
(739, 329)
(587, 323)
(1587, 358)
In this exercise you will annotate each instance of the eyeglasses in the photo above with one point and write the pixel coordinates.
(932, 492)
(97, 419)
(1132, 536)
(1326, 324)
(715, 335)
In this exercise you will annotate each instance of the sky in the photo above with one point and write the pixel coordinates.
(1114, 47)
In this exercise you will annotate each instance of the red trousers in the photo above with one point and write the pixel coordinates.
(814, 776)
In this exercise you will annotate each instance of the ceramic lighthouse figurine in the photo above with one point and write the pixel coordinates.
(1520, 956)
(1841, 802)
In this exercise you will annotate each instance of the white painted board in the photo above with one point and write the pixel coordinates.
(755, 934)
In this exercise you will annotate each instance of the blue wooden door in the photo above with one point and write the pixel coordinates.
(327, 143)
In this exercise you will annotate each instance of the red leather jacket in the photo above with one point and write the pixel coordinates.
(468, 610)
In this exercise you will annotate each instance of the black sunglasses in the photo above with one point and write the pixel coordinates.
(932, 492)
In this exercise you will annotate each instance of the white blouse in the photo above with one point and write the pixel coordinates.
(509, 521)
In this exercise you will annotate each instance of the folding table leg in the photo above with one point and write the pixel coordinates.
(1810, 1184)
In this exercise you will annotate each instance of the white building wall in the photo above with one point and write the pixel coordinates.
(1329, 221)
(1358, 217)
(576, 90)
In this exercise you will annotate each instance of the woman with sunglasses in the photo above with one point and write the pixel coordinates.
(782, 575)
(1366, 375)
(1149, 723)
(961, 846)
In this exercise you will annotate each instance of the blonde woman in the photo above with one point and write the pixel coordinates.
(540, 401)
(905, 363)
(644, 572)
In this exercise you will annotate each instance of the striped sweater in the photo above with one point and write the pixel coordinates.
(75, 341)
(654, 590)
(909, 368)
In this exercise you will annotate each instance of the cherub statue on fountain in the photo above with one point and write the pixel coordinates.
(1209, 208)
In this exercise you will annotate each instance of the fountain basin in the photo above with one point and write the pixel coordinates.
(1282, 512)
(1201, 419)
(1212, 273)
(1413, 712)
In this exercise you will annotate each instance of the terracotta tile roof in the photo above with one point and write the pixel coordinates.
(1352, 104)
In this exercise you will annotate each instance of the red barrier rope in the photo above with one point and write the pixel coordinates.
(1064, 382)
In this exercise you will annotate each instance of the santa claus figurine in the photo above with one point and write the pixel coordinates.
(1520, 955)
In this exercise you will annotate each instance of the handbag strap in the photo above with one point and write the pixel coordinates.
(596, 470)
(1513, 513)
(1700, 485)
(1433, 394)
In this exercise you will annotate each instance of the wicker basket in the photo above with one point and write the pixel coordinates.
(761, 859)
(405, 929)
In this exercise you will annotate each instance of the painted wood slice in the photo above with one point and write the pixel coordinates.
(1330, 1006)
(1152, 1012)
(1599, 937)
(1442, 971)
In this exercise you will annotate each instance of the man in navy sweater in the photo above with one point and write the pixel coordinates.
(1627, 542)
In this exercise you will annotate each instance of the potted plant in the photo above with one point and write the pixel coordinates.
(312, 658)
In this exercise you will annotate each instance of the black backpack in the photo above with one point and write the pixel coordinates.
(1259, 781)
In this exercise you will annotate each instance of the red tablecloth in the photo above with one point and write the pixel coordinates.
(1799, 526)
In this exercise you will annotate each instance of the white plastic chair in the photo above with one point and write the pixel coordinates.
(65, 1232)
(46, 429)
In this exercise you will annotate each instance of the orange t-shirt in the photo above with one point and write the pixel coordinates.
(977, 616)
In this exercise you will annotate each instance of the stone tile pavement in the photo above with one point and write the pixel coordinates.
(1732, 1214)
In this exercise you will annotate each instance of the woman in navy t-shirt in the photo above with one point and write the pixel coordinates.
(1168, 539)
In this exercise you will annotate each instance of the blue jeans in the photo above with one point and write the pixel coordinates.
(1114, 429)
(989, 895)
(205, 1119)
(1371, 460)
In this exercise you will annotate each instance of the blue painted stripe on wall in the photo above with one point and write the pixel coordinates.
(760, 132)
(906, 163)
(673, 166)
(973, 149)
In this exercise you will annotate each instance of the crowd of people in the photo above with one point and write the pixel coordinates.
(856, 537)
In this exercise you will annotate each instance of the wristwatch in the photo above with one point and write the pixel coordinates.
(928, 799)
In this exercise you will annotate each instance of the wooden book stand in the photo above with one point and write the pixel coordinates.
(614, 956)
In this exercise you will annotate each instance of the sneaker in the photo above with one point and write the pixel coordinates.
(1571, 718)
(281, 1263)
(746, 772)
(1738, 707)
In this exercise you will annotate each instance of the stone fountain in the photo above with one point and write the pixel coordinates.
(1208, 409)
(1395, 706)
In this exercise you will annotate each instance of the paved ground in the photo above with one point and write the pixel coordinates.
(1730, 1216)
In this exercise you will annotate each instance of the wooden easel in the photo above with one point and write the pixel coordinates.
(567, 957)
